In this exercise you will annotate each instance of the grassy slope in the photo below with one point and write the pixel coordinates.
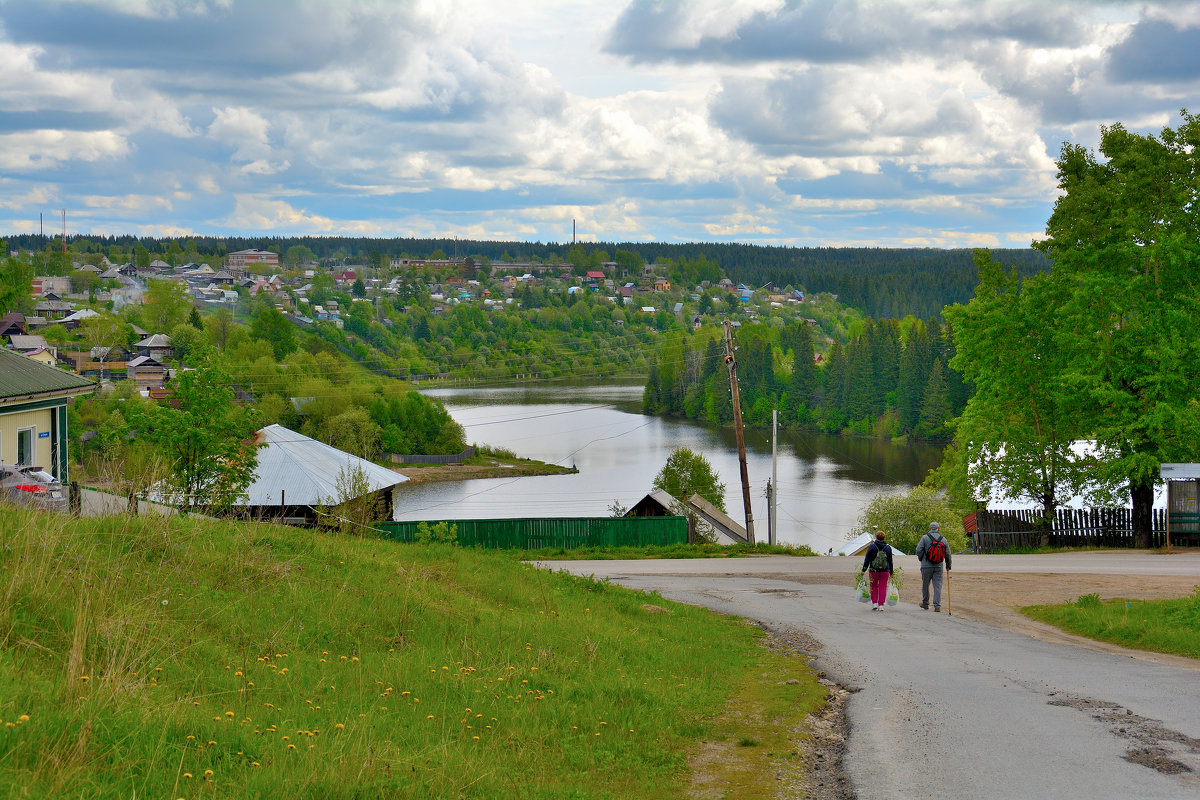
(1162, 626)
(141, 657)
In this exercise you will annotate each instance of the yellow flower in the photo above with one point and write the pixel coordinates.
(187, 774)
(208, 773)
(293, 747)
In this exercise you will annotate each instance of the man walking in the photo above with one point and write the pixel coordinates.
(933, 551)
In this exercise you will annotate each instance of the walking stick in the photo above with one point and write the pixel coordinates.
(949, 610)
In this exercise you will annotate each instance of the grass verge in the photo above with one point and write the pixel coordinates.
(756, 747)
(177, 657)
(1161, 626)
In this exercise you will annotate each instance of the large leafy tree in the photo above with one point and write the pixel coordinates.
(1124, 239)
(205, 438)
(15, 276)
(1018, 430)
(166, 304)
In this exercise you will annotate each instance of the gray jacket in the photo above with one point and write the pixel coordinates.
(923, 550)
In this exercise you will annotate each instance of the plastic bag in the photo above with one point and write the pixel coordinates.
(862, 588)
(893, 594)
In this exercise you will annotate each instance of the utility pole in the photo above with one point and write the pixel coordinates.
(737, 427)
(770, 512)
(64, 242)
(774, 479)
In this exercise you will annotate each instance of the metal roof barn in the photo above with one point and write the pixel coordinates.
(294, 470)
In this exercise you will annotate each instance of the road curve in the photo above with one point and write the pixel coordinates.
(947, 707)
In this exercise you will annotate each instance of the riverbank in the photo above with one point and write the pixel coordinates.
(480, 467)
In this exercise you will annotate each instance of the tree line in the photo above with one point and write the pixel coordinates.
(890, 379)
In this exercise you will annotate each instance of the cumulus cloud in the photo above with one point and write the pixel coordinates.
(746, 119)
(33, 150)
(1157, 50)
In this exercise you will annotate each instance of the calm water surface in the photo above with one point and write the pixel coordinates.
(824, 482)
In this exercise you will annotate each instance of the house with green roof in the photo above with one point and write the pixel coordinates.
(33, 412)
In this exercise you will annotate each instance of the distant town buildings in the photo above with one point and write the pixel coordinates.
(243, 259)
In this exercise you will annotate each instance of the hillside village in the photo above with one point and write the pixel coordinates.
(310, 293)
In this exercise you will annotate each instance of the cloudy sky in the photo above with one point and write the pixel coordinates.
(924, 123)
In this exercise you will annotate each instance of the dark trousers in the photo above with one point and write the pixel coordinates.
(931, 574)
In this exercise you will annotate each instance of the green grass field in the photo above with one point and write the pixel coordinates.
(1163, 626)
(143, 657)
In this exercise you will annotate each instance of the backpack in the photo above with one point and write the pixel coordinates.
(880, 562)
(936, 552)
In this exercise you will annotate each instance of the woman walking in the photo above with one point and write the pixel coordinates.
(879, 561)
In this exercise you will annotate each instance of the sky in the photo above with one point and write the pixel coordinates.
(928, 123)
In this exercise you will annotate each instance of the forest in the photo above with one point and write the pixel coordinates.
(891, 379)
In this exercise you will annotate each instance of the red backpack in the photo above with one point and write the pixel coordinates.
(937, 551)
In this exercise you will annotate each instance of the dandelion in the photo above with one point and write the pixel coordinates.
(229, 713)
(339, 726)
(187, 774)
(208, 773)
(293, 747)
(84, 678)
(255, 764)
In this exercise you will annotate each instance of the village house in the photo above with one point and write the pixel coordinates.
(33, 412)
(157, 347)
(295, 476)
(53, 308)
(147, 373)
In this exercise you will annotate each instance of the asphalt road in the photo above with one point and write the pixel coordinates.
(946, 707)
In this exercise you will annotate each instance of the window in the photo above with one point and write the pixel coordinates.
(25, 449)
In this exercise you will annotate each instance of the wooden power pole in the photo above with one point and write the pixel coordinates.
(737, 426)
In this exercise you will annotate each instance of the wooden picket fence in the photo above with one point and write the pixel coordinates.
(1095, 527)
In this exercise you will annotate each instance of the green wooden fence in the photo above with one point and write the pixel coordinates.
(564, 532)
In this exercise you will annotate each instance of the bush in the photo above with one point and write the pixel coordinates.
(905, 518)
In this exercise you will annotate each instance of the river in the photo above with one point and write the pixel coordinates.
(824, 482)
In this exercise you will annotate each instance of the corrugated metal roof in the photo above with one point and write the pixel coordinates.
(307, 470)
(21, 376)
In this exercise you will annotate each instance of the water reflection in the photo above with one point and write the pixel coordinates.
(824, 482)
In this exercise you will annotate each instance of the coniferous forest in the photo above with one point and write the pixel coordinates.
(891, 379)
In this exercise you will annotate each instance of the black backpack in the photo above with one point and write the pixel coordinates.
(880, 562)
